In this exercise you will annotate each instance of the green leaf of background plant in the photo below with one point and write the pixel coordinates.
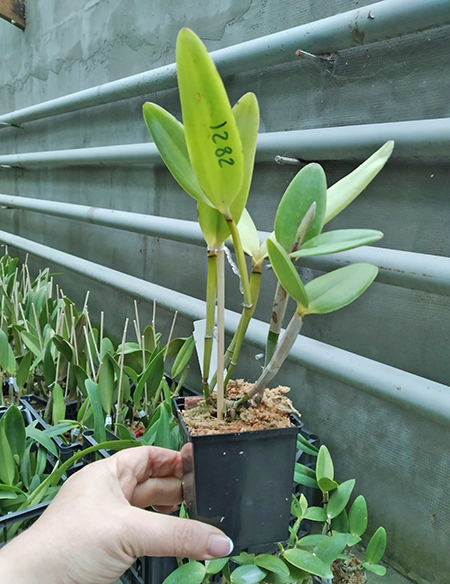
(32, 342)
(272, 564)
(190, 573)
(339, 499)
(96, 404)
(61, 428)
(23, 371)
(183, 357)
(358, 516)
(339, 288)
(63, 347)
(106, 384)
(308, 186)
(59, 405)
(7, 464)
(40, 437)
(376, 546)
(152, 375)
(306, 561)
(375, 568)
(248, 574)
(215, 566)
(163, 437)
(169, 137)
(305, 446)
(7, 359)
(15, 431)
(210, 126)
(336, 241)
(305, 480)
(341, 194)
(287, 274)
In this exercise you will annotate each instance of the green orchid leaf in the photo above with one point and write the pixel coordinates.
(152, 376)
(316, 514)
(340, 498)
(96, 404)
(358, 516)
(330, 548)
(59, 405)
(163, 436)
(10, 492)
(49, 366)
(174, 347)
(214, 227)
(183, 357)
(249, 235)
(340, 523)
(63, 347)
(312, 540)
(305, 446)
(106, 347)
(169, 137)
(106, 383)
(339, 288)
(287, 274)
(308, 562)
(190, 573)
(336, 241)
(246, 114)
(306, 481)
(15, 431)
(375, 568)
(23, 371)
(42, 438)
(212, 135)
(216, 566)
(248, 574)
(243, 559)
(306, 470)
(324, 467)
(80, 376)
(7, 463)
(296, 509)
(352, 539)
(61, 428)
(272, 563)
(7, 359)
(341, 194)
(31, 341)
(308, 186)
(376, 546)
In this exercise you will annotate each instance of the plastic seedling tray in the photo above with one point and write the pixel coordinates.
(241, 482)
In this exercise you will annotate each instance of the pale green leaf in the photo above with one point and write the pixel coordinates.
(212, 135)
(339, 288)
(324, 467)
(15, 431)
(96, 404)
(59, 405)
(42, 438)
(248, 574)
(376, 546)
(358, 516)
(7, 464)
(183, 357)
(7, 359)
(216, 565)
(287, 274)
(340, 498)
(249, 235)
(190, 573)
(337, 241)
(106, 384)
(272, 564)
(329, 549)
(316, 514)
(375, 568)
(308, 562)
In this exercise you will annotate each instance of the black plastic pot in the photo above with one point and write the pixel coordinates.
(241, 482)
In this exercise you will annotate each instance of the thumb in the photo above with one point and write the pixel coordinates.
(152, 534)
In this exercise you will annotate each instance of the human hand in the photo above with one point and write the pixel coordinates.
(96, 526)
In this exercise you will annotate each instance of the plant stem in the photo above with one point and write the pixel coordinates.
(211, 290)
(281, 352)
(279, 306)
(240, 260)
(220, 331)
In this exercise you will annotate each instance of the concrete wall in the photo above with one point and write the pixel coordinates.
(399, 459)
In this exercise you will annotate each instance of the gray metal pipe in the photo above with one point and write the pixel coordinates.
(417, 394)
(413, 139)
(399, 268)
(375, 22)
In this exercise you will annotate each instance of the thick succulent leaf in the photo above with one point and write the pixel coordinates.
(7, 359)
(308, 562)
(248, 574)
(287, 274)
(169, 137)
(190, 573)
(358, 516)
(15, 431)
(316, 514)
(246, 114)
(341, 194)
(330, 548)
(324, 468)
(339, 288)
(340, 498)
(212, 135)
(336, 241)
(375, 568)
(376, 546)
(307, 187)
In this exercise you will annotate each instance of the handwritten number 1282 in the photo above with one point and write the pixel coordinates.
(222, 152)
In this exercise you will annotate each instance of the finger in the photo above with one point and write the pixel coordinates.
(138, 464)
(158, 491)
(152, 534)
(165, 508)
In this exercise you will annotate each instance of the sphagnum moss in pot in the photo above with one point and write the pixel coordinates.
(239, 456)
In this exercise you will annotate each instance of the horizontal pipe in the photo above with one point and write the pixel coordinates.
(411, 392)
(417, 271)
(375, 22)
(413, 139)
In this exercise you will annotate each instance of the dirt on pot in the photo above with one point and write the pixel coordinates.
(274, 411)
(342, 576)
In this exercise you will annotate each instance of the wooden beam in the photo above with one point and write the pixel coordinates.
(13, 11)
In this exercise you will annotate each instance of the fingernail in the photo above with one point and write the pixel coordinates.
(220, 546)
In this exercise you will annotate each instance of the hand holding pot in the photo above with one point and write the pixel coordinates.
(96, 526)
